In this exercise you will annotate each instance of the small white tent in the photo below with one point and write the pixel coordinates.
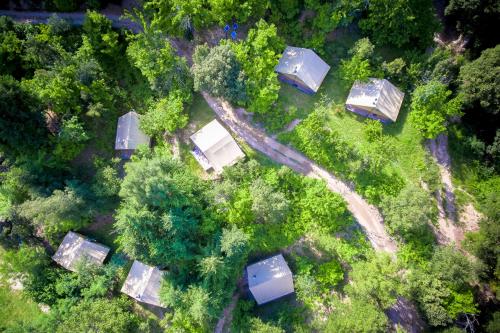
(129, 135)
(143, 283)
(215, 147)
(270, 279)
(75, 248)
(302, 68)
(376, 99)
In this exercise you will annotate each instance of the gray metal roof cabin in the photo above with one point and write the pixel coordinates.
(270, 279)
(302, 68)
(129, 135)
(215, 147)
(143, 283)
(75, 248)
(377, 99)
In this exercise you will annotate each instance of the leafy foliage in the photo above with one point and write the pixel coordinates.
(431, 105)
(479, 81)
(169, 204)
(152, 53)
(218, 72)
(401, 22)
(258, 55)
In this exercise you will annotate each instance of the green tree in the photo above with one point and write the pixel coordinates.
(442, 288)
(410, 212)
(431, 106)
(152, 53)
(101, 315)
(60, 212)
(476, 19)
(258, 55)
(358, 68)
(70, 139)
(355, 315)
(321, 208)
(401, 22)
(159, 216)
(480, 81)
(102, 39)
(166, 114)
(218, 72)
(377, 281)
(268, 204)
(22, 127)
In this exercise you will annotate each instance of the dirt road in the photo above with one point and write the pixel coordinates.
(367, 215)
(75, 18)
(448, 230)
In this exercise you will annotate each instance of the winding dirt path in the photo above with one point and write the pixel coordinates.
(74, 18)
(448, 231)
(367, 215)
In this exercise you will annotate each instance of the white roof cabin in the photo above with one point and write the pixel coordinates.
(215, 147)
(128, 133)
(270, 279)
(302, 68)
(377, 98)
(143, 283)
(76, 247)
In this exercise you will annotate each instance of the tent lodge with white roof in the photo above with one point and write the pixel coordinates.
(376, 99)
(215, 148)
(75, 248)
(143, 283)
(302, 68)
(270, 279)
(129, 135)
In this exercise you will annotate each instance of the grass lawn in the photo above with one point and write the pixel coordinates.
(14, 307)
(199, 113)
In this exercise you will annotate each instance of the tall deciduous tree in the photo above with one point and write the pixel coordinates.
(401, 22)
(410, 212)
(60, 212)
(152, 53)
(377, 281)
(159, 217)
(22, 127)
(166, 114)
(359, 67)
(431, 106)
(356, 315)
(218, 72)
(259, 54)
(480, 81)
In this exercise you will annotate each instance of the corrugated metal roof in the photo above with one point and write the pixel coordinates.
(128, 133)
(76, 247)
(304, 64)
(218, 146)
(378, 95)
(270, 279)
(143, 283)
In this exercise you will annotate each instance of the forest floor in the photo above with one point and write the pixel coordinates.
(367, 215)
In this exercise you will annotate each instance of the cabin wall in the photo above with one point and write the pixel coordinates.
(295, 83)
(366, 113)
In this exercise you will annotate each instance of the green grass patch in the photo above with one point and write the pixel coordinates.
(15, 307)
(200, 112)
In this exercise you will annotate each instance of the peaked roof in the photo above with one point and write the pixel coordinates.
(305, 65)
(218, 146)
(143, 283)
(76, 247)
(270, 279)
(378, 94)
(128, 133)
